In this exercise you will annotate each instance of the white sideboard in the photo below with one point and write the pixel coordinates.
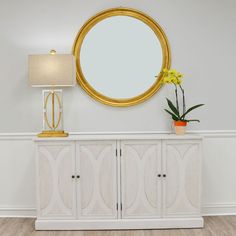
(118, 181)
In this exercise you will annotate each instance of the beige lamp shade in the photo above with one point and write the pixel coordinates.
(50, 70)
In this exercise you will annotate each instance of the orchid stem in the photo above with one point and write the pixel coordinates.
(176, 98)
(184, 106)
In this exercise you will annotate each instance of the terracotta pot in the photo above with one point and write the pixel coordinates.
(180, 127)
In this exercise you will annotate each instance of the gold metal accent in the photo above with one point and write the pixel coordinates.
(53, 52)
(45, 112)
(53, 110)
(53, 126)
(121, 12)
(53, 134)
(60, 111)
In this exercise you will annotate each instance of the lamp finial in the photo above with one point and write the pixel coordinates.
(52, 52)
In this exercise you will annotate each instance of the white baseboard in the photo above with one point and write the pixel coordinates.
(26, 212)
(219, 209)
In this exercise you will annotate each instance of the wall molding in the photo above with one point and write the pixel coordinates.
(205, 133)
(207, 210)
(212, 138)
(17, 136)
(219, 209)
(18, 211)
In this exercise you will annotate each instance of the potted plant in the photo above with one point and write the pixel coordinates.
(179, 117)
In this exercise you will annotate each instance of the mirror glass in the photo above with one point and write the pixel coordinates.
(120, 57)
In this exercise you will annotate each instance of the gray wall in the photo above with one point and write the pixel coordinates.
(202, 37)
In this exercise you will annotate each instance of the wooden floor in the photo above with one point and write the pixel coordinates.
(217, 225)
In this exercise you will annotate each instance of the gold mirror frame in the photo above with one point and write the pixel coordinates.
(121, 12)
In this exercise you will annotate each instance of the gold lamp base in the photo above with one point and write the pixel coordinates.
(53, 134)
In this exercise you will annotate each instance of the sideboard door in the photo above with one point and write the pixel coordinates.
(182, 184)
(140, 184)
(97, 185)
(56, 189)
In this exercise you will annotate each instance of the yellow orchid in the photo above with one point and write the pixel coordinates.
(167, 80)
(172, 76)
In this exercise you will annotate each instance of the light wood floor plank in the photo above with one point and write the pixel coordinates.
(214, 226)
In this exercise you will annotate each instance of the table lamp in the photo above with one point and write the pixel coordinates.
(53, 71)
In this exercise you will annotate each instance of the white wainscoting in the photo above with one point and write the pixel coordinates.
(17, 173)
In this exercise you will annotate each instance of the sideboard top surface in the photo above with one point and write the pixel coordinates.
(122, 136)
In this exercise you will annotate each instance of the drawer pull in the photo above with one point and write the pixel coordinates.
(164, 175)
(159, 175)
(77, 176)
(72, 176)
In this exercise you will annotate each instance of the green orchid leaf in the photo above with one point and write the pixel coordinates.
(173, 108)
(174, 117)
(190, 109)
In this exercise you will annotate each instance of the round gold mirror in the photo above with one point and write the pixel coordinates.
(120, 54)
